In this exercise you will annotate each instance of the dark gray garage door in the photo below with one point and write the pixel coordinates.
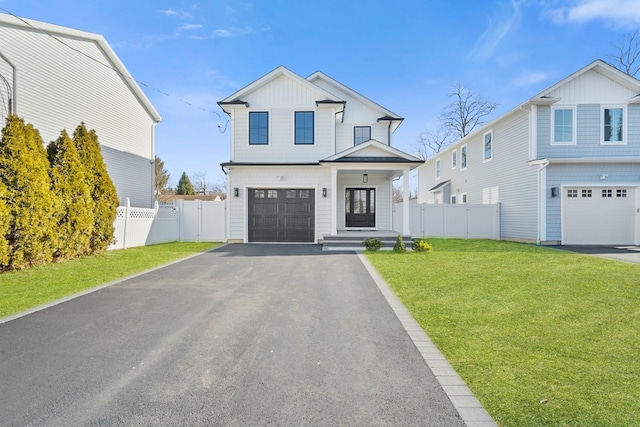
(281, 215)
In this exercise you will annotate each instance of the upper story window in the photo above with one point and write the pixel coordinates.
(304, 127)
(258, 128)
(438, 169)
(563, 126)
(454, 159)
(488, 146)
(361, 134)
(613, 123)
(463, 157)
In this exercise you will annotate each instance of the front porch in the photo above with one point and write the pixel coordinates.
(351, 240)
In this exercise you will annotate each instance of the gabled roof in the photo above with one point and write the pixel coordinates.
(599, 66)
(237, 97)
(372, 151)
(53, 30)
(385, 114)
(543, 98)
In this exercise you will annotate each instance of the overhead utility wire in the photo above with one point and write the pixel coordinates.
(113, 69)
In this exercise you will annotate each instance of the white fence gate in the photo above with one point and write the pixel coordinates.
(447, 220)
(182, 220)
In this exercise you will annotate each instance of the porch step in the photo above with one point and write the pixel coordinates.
(351, 242)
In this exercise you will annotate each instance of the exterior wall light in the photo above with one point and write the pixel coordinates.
(365, 178)
(324, 192)
(236, 192)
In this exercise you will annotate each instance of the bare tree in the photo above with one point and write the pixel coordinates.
(431, 142)
(627, 53)
(467, 111)
(200, 184)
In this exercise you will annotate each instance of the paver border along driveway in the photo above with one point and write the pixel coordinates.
(242, 335)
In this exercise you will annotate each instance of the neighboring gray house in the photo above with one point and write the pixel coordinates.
(564, 165)
(56, 77)
(310, 158)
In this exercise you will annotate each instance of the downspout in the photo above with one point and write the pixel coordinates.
(542, 202)
(13, 103)
(389, 134)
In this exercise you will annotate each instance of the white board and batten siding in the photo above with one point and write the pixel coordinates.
(281, 177)
(58, 88)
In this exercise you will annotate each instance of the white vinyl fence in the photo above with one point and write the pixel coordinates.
(446, 220)
(182, 220)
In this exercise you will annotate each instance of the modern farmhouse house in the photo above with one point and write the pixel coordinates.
(564, 165)
(56, 77)
(310, 158)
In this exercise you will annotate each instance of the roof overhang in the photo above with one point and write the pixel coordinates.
(440, 186)
(587, 160)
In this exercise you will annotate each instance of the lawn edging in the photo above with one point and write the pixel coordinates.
(465, 402)
(96, 288)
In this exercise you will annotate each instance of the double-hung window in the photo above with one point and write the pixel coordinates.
(613, 125)
(563, 126)
(258, 128)
(454, 159)
(438, 169)
(463, 157)
(304, 127)
(488, 146)
(361, 134)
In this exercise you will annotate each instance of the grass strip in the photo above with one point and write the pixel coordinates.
(542, 337)
(24, 289)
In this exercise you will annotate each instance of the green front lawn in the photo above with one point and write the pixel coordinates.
(542, 337)
(24, 289)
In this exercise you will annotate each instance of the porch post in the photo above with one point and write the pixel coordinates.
(334, 201)
(406, 229)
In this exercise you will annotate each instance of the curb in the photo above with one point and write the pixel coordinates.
(469, 408)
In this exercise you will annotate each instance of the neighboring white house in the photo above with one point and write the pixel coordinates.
(310, 158)
(56, 77)
(564, 165)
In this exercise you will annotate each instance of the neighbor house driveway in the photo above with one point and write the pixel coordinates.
(246, 335)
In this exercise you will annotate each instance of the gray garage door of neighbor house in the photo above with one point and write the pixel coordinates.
(281, 215)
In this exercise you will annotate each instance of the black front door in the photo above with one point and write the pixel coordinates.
(360, 207)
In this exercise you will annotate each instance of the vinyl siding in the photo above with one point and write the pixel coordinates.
(58, 88)
(558, 175)
(588, 133)
(243, 177)
(508, 177)
(132, 176)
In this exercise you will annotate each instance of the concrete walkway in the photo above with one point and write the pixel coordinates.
(243, 335)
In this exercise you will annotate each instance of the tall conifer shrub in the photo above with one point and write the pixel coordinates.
(24, 171)
(4, 226)
(75, 214)
(103, 192)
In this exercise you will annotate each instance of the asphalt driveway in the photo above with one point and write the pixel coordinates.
(246, 335)
(627, 253)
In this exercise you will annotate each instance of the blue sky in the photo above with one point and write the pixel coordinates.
(404, 55)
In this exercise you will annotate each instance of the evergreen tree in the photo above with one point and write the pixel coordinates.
(184, 186)
(161, 176)
(24, 171)
(75, 214)
(4, 226)
(101, 188)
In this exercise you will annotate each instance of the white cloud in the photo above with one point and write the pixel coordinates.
(228, 33)
(171, 12)
(498, 28)
(615, 13)
(529, 78)
(190, 27)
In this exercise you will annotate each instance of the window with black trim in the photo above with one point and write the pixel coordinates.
(586, 193)
(607, 192)
(361, 134)
(258, 128)
(304, 127)
(621, 192)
